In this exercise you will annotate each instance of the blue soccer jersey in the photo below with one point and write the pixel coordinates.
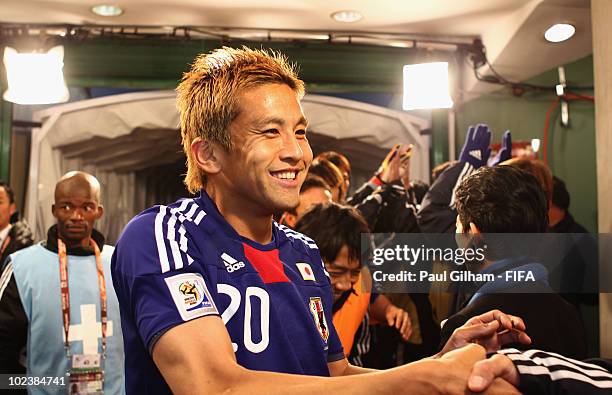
(179, 262)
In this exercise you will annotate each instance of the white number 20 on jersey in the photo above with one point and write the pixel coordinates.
(264, 314)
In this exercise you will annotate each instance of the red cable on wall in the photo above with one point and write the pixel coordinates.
(569, 96)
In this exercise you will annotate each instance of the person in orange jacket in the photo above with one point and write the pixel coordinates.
(337, 231)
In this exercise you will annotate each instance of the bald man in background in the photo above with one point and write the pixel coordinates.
(59, 310)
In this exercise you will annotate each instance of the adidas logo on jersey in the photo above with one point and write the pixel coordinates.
(231, 265)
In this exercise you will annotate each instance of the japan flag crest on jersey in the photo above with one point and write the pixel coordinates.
(306, 271)
(316, 309)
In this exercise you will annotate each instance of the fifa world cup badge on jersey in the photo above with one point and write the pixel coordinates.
(86, 374)
(306, 271)
(316, 309)
(191, 295)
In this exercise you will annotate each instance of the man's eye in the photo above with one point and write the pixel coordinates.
(301, 132)
(271, 131)
(89, 208)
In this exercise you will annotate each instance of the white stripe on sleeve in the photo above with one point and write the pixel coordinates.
(6, 278)
(159, 239)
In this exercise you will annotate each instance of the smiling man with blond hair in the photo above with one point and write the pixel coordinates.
(216, 297)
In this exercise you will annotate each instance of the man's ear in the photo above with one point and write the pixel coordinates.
(12, 208)
(206, 155)
(53, 210)
(100, 212)
(288, 219)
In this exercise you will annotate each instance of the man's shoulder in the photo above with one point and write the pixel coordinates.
(161, 239)
(163, 218)
(301, 244)
(34, 262)
(297, 240)
(21, 236)
(107, 252)
(26, 254)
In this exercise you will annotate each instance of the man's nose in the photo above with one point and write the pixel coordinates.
(77, 213)
(291, 149)
(343, 283)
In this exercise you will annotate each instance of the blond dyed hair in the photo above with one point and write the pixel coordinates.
(208, 96)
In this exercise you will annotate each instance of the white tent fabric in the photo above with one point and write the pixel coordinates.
(117, 138)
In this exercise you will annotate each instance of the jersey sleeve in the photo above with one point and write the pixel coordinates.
(158, 277)
(13, 323)
(550, 373)
(335, 350)
(437, 213)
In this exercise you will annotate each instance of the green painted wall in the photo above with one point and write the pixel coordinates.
(571, 152)
(158, 64)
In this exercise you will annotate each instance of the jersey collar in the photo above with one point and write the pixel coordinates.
(213, 214)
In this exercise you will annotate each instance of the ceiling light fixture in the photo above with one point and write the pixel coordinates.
(107, 10)
(347, 16)
(559, 32)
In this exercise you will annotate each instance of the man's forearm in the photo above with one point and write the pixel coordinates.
(353, 370)
(417, 377)
(378, 309)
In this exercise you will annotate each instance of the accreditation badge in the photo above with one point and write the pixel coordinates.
(86, 375)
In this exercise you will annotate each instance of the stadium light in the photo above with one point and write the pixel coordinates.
(426, 86)
(35, 77)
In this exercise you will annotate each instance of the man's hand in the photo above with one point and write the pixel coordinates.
(476, 149)
(505, 152)
(400, 320)
(391, 166)
(385, 163)
(485, 371)
(456, 367)
(404, 169)
(491, 330)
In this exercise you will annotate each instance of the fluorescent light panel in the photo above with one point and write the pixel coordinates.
(426, 86)
(35, 78)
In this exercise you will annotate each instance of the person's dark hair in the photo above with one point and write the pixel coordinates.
(332, 226)
(337, 159)
(536, 168)
(9, 191)
(313, 181)
(419, 189)
(328, 172)
(435, 173)
(560, 195)
(502, 199)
